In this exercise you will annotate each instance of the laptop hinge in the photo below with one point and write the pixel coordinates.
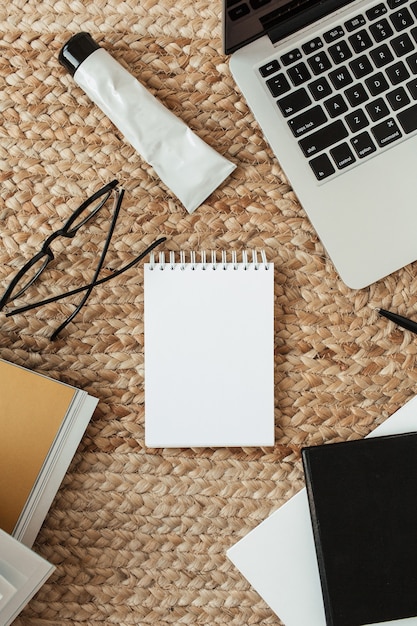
(290, 18)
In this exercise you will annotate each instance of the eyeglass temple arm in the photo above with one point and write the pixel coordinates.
(105, 279)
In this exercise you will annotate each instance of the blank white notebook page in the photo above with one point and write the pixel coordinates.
(209, 352)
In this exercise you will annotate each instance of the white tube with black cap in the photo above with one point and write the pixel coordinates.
(189, 167)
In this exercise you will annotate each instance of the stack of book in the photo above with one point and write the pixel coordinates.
(343, 550)
(42, 421)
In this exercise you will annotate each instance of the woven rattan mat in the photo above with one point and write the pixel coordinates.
(139, 536)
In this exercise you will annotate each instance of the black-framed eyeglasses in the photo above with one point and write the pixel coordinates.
(33, 268)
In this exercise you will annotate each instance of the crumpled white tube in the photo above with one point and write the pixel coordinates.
(183, 161)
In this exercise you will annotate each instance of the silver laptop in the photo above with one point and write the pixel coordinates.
(333, 85)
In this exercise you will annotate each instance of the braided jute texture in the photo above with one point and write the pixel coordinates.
(139, 536)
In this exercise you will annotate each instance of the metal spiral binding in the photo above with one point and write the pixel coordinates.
(257, 261)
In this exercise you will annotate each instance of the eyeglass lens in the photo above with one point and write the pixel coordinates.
(31, 274)
(85, 213)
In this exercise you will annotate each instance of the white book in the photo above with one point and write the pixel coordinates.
(42, 421)
(278, 557)
(209, 351)
(22, 573)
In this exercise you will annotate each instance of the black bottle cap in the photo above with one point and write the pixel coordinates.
(76, 50)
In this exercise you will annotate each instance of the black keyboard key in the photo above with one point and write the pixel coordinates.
(360, 41)
(354, 23)
(342, 155)
(402, 45)
(402, 19)
(397, 73)
(269, 68)
(294, 102)
(363, 145)
(377, 109)
(386, 132)
(356, 95)
(412, 63)
(412, 88)
(238, 12)
(257, 4)
(322, 167)
(375, 12)
(336, 105)
(361, 66)
(395, 3)
(408, 119)
(320, 88)
(340, 52)
(291, 57)
(413, 7)
(319, 63)
(357, 120)
(323, 138)
(307, 121)
(381, 30)
(340, 77)
(398, 98)
(278, 85)
(377, 84)
(312, 46)
(381, 56)
(299, 74)
(333, 34)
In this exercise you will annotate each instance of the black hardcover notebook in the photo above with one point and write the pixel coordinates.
(363, 505)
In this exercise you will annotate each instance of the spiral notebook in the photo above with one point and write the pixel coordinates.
(209, 350)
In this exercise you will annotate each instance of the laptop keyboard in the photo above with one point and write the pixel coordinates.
(351, 91)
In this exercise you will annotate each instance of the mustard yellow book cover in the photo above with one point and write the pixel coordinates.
(32, 408)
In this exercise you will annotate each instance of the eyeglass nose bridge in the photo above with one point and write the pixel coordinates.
(45, 249)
